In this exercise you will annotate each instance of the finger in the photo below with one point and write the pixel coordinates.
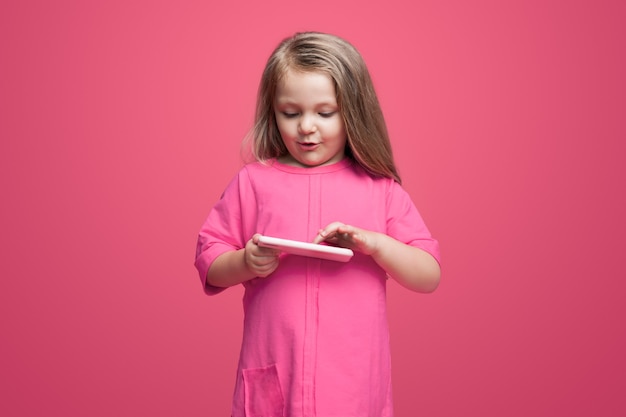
(266, 269)
(265, 260)
(321, 236)
(328, 232)
(346, 229)
(267, 253)
(255, 238)
(345, 232)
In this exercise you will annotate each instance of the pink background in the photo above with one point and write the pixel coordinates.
(120, 124)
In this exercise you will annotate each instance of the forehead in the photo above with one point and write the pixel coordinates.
(307, 86)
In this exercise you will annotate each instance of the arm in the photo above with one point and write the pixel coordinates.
(234, 267)
(412, 267)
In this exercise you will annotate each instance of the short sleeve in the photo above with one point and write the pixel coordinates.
(223, 230)
(405, 223)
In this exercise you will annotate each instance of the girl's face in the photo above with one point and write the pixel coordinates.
(309, 120)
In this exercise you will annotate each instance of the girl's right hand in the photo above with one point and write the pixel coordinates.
(259, 260)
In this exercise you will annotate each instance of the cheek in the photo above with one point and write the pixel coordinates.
(285, 128)
(337, 130)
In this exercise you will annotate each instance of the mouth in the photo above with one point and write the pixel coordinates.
(308, 145)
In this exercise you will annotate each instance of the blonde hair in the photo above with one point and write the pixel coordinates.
(367, 137)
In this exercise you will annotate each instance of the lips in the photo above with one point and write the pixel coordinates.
(308, 145)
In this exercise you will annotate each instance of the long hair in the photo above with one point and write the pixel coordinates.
(367, 137)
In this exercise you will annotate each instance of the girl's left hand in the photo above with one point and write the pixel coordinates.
(412, 267)
(347, 236)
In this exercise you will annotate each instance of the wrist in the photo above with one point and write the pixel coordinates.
(377, 244)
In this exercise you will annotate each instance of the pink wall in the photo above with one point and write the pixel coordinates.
(120, 124)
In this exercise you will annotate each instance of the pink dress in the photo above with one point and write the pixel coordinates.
(315, 339)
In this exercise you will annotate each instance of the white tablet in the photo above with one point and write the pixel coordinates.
(314, 250)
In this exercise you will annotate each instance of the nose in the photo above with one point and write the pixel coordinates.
(306, 124)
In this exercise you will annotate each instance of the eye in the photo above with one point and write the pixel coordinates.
(328, 114)
(289, 115)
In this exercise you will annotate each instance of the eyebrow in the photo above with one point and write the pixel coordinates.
(292, 102)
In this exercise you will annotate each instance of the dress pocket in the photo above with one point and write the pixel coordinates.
(263, 395)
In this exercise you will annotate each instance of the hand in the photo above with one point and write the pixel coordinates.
(351, 237)
(412, 267)
(259, 260)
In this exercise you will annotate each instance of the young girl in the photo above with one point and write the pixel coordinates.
(315, 339)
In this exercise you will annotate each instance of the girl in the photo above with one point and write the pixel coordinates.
(315, 339)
